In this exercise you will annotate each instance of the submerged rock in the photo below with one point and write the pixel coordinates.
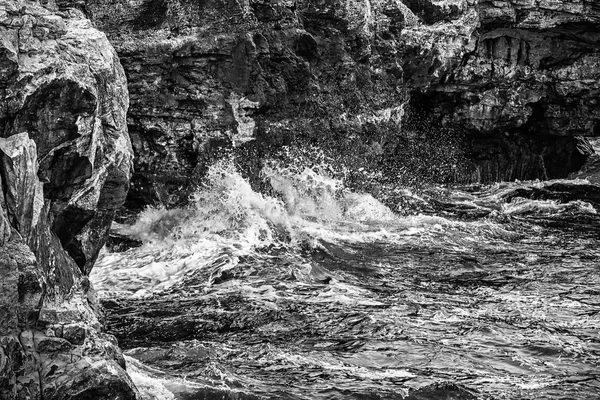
(444, 390)
(562, 192)
(65, 161)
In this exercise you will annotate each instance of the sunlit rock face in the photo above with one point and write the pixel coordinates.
(65, 161)
(517, 80)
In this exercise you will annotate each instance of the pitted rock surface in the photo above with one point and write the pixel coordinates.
(63, 86)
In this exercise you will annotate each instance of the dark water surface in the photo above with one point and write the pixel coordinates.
(321, 293)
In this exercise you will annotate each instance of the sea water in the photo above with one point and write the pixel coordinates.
(310, 290)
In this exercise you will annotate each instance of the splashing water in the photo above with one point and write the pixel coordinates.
(226, 219)
(313, 291)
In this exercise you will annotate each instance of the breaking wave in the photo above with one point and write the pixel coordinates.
(308, 289)
(226, 219)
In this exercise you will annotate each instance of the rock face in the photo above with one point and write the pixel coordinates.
(204, 75)
(503, 88)
(65, 161)
(523, 88)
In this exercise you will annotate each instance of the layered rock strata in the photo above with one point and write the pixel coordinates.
(503, 88)
(523, 88)
(65, 162)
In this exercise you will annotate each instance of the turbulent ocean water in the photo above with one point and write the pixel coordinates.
(314, 291)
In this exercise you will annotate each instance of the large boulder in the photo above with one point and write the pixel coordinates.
(65, 164)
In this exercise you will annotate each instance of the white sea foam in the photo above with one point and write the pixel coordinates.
(227, 219)
(367, 298)
(150, 387)
(546, 207)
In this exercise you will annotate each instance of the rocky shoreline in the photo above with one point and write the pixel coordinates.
(65, 164)
(488, 90)
(507, 88)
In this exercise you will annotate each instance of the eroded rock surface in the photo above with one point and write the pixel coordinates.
(65, 161)
(515, 81)
(211, 74)
(524, 88)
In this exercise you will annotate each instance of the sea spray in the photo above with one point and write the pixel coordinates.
(306, 206)
(226, 219)
(310, 290)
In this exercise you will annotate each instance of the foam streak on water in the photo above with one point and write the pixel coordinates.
(316, 292)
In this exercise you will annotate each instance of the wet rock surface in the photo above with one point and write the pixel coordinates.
(212, 75)
(524, 87)
(505, 87)
(591, 169)
(65, 160)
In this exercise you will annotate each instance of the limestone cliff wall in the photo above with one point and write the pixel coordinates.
(65, 164)
(524, 88)
(503, 88)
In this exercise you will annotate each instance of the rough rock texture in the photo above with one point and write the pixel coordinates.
(591, 169)
(523, 88)
(207, 74)
(510, 85)
(65, 161)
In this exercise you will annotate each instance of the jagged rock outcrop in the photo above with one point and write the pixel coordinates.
(204, 75)
(591, 169)
(523, 88)
(65, 161)
(503, 88)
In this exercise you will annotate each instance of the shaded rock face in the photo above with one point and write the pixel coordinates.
(517, 80)
(523, 89)
(591, 169)
(65, 161)
(208, 75)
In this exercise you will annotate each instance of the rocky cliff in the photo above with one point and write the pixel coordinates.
(484, 90)
(470, 90)
(65, 162)
(525, 87)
